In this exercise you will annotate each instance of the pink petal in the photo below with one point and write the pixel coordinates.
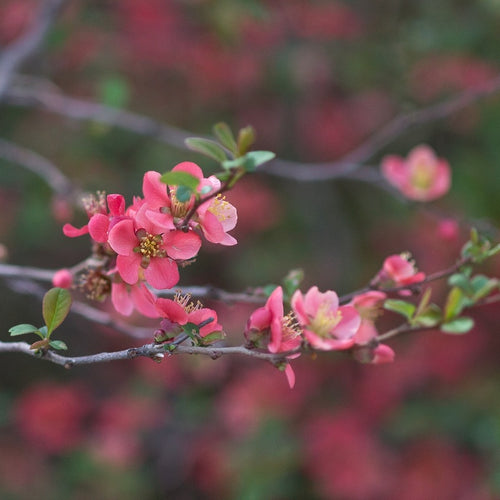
(349, 324)
(190, 168)
(128, 267)
(72, 231)
(171, 310)
(181, 245)
(383, 354)
(122, 238)
(162, 273)
(393, 169)
(327, 344)
(98, 228)
(290, 375)
(120, 299)
(116, 204)
(144, 301)
(155, 192)
(200, 315)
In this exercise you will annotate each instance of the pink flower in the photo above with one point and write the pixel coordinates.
(399, 270)
(62, 278)
(147, 248)
(367, 349)
(268, 324)
(182, 310)
(100, 220)
(422, 176)
(214, 218)
(125, 298)
(326, 325)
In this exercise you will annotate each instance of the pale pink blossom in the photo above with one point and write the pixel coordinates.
(399, 270)
(326, 325)
(422, 176)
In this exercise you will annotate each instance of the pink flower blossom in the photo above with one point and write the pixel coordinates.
(367, 349)
(62, 278)
(422, 176)
(182, 310)
(147, 249)
(326, 325)
(103, 214)
(214, 218)
(399, 270)
(269, 325)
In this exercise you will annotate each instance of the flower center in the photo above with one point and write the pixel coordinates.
(325, 320)
(178, 208)
(95, 284)
(186, 302)
(422, 176)
(149, 246)
(220, 207)
(95, 203)
(290, 327)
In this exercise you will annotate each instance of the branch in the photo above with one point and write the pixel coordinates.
(350, 166)
(39, 165)
(147, 350)
(20, 50)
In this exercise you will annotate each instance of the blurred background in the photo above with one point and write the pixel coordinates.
(315, 79)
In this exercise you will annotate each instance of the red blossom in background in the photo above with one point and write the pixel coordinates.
(422, 176)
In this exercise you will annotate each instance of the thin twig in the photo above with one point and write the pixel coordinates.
(39, 165)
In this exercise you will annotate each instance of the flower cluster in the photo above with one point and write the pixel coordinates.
(315, 318)
(146, 242)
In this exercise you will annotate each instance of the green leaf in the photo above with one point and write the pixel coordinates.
(55, 307)
(179, 178)
(482, 286)
(458, 325)
(461, 281)
(59, 345)
(212, 337)
(246, 137)
(206, 147)
(114, 92)
(191, 329)
(406, 309)
(225, 136)
(22, 329)
(429, 317)
(183, 194)
(254, 159)
(292, 281)
(424, 302)
(455, 302)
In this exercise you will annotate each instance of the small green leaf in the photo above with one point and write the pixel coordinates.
(406, 309)
(55, 307)
(292, 281)
(114, 92)
(429, 317)
(191, 329)
(455, 302)
(59, 345)
(212, 337)
(424, 302)
(183, 194)
(461, 281)
(225, 136)
(22, 329)
(246, 137)
(458, 325)
(482, 286)
(180, 178)
(206, 147)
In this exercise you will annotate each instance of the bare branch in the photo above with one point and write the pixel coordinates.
(39, 165)
(20, 50)
(147, 350)
(84, 110)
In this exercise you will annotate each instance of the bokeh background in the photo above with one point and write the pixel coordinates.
(315, 78)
